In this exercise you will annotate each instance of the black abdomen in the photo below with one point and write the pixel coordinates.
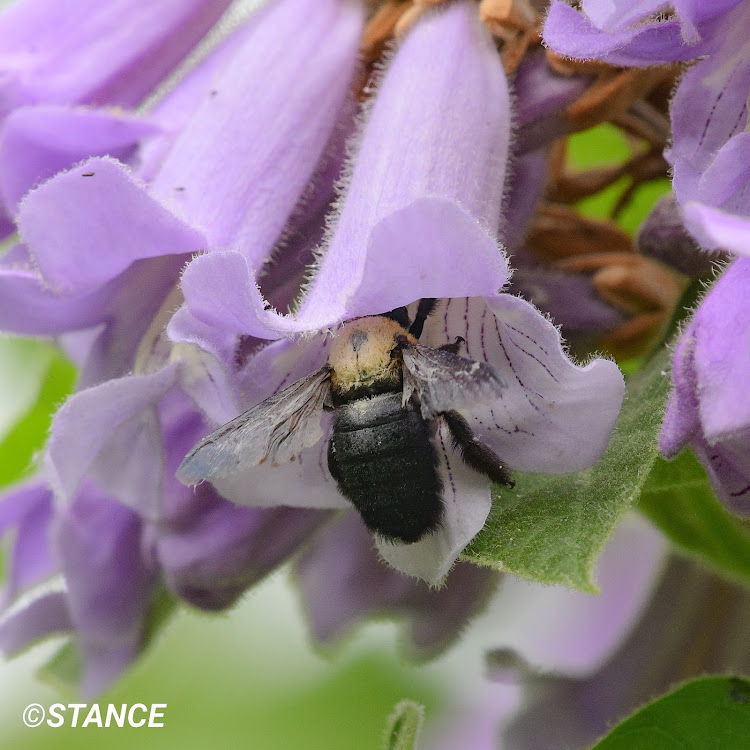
(383, 460)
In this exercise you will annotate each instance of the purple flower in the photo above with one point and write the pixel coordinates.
(709, 115)
(710, 408)
(56, 58)
(114, 560)
(417, 221)
(709, 109)
(109, 250)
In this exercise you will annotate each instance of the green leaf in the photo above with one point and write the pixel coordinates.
(20, 445)
(678, 498)
(404, 724)
(710, 713)
(551, 528)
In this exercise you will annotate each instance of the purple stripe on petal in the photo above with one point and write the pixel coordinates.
(555, 416)
(710, 107)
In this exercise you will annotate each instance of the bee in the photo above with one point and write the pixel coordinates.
(386, 392)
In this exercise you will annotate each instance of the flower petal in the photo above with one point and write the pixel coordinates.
(615, 15)
(221, 291)
(728, 467)
(721, 328)
(42, 617)
(586, 629)
(68, 223)
(709, 107)
(412, 254)
(557, 416)
(219, 550)
(38, 142)
(466, 504)
(303, 483)
(718, 230)
(99, 53)
(206, 355)
(681, 419)
(446, 64)
(31, 560)
(569, 33)
(28, 306)
(241, 179)
(27, 511)
(98, 542)
(112, 433)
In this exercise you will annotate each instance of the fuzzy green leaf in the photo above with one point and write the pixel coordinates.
(678, 498)
(551, 528)
(710, 713)
(404, 724)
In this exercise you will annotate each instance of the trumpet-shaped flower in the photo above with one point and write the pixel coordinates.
(418, 221)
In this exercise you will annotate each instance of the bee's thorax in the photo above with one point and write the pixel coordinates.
(364, 359)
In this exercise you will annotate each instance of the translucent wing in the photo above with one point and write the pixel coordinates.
(444, 381)
(276, 429)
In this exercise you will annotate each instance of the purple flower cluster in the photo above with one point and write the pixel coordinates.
(200, 269)
(710, 408)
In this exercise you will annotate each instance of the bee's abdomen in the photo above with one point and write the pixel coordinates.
(384, 461)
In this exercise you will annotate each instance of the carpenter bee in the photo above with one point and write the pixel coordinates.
(386, 392)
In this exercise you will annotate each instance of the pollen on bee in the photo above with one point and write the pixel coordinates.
(361, 352)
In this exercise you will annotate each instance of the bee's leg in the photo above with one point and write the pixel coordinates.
(400, 315)
(455, 347)
(426, 306)
(473, 451)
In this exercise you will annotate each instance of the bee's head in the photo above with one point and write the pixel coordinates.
(365, 353)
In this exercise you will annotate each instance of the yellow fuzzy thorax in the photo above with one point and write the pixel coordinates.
(360, 354)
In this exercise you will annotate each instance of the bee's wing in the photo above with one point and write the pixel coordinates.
(276, 429)
(444, 381)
